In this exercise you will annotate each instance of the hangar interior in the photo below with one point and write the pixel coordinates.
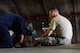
(36, 12)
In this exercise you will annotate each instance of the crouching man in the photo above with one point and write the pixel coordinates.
(15, 23)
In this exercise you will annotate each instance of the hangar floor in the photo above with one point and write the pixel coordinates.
(75, 48)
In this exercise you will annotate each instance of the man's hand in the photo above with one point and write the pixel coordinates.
(22, 39)
(41, 38)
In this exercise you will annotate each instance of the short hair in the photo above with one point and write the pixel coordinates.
(54, 8)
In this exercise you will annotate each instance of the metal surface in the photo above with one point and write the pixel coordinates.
(47, 49)
(39, 50)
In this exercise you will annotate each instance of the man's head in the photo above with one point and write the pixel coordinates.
(53, 12)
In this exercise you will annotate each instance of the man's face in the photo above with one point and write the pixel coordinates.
(51, 13)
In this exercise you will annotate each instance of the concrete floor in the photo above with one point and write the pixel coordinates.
(48, 49)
